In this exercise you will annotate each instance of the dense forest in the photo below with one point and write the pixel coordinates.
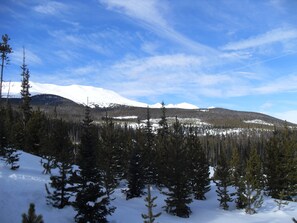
(94, 158)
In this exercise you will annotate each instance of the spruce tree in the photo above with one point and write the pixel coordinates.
(11, 158)
(111, 164)
(178, 181)
(281, 163)
(60, 183)
(150, 217)
(162, 147)
(252, 180)
(237, 169)
(149, 152)
(223, 181)
(25, 93)
(5, 49)
(91, 202)
(198, 166)
(31, 217)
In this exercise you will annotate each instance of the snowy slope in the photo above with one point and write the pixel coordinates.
(25, 185)
(82, 94)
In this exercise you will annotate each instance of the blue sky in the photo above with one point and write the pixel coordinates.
(236, 54)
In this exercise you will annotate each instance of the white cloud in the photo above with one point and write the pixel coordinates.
(50, 8)
(31, 57)
(290, 116)
(275, 35)
(150, 14)
(283, 84)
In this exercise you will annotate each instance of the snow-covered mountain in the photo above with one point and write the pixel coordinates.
(82, 95)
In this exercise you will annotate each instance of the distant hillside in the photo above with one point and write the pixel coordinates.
(216, 117)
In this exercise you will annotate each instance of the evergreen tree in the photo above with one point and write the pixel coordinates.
(198, 166)
(25, 93)
(11, 158)
(281, 163)
(5, 49)
(177, 179)
(237, 178)
(149, 152)
(223, 181)
(92, 202)
(111, 164)
(60, 183)
(31, 217)
(135, 174)
(162, 147)
(150, 217)
(281, 201)
(252, 179)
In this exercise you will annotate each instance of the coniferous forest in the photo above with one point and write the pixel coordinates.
(94, 159)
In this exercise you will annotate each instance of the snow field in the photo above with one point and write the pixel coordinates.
(27, 184)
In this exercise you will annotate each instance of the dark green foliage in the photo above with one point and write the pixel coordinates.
(177, 180)
(149, 152)
(36, 132)
(162, 148)
(237, 170)
(281, 163)
(252, 181)
(91, 202)
(11, 158)
(223, 181)
(135, 174)
(31, 217)
(150, 217)
(25, 93)
(198, 166)
(111, 164)
(60, 183)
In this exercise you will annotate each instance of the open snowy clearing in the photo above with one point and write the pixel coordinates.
(27, 184)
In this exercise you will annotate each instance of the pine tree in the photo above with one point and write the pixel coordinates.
(135, 174)
(60, 183)
(177, 179)
(5, 49)
(11, 158)
(198, 166)
(111, 164)
(149, 152)
(25, 94)
(150, 217)
(281, 201)
(281, 163)
(237, 178)
(223, 181)
(252, 179)
(31, 217)
(162, 147)
(91, 202)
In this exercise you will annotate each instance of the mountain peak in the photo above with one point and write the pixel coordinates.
(82, 94)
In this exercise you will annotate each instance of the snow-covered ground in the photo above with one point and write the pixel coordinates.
(258, 121)
(27, 184)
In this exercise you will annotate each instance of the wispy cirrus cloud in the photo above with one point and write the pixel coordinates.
(270, 37)
(50, 8)
(31, 57)
(287, 83)
(149, 14)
